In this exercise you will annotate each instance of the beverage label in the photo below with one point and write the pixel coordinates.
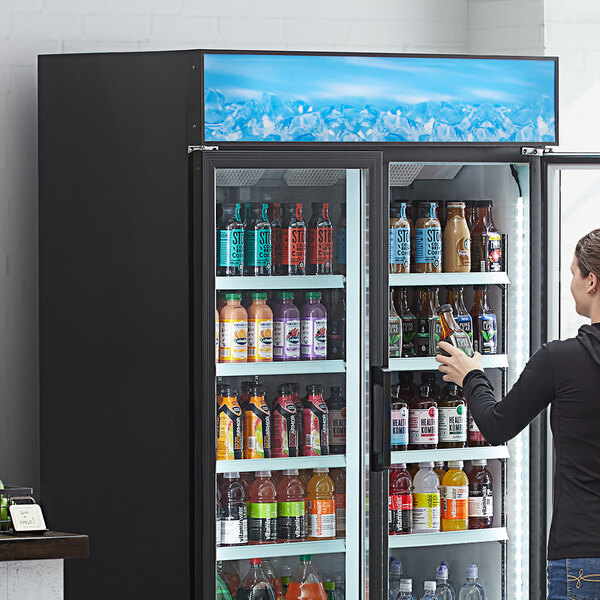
(481, 502)
(218, 527)
(340, 513)
(426, 511)
(400, 513)
(465, 322)
(399, 246)
(423, 425)
(409, 337)
(217, 339)
(233, 342)
(423, 336)
(487, 334)
(257, 429)
(340, 246)
(321, 518)
(286, 339)
(459, 340)
(436, 335)
(234, 525)
(455, 502)
(453, 423)
(260, 339)
(395, 337)
(463, 252)
(290, 520)
(428, 243)
(230, 248)
(262, 521)
(320, 246)
(316, 427)
(293, 247)
(285, 435)
(494, 252)
(474, 434)
(257, 248)
(314, 337)
(337, 427)
(229, 429)
(400, 427)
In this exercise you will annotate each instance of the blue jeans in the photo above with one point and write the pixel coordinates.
(574, 579)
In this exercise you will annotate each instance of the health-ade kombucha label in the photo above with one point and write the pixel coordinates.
(480, 500)
(426, 511)
(262, 521)
(337, 424)
(290, 520)
(453, 423)
(231, 248)
(400, 513)
(423, 426)
(455, 502)
(400, 427)
(260, 339)
(233, 345)
(321, 518)
(286, 338)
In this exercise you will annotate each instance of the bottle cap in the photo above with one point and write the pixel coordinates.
(396, 568)
(426, 465)
(456, 204)
(306, 557)
(329, 586)
(233, 296)
(231, 475)
(406, 585)
(472, 572)
(285, 389)
(480, 462)
(286, 295)
(399, 466)
(442, 572)
(444, 308)
(313, 295)
(256, 561)
(258, 295)
(429, 586)
(336, 389)
(285, 580)
(455, 464)
(480, 286)
(263, 473)
(290, 472)
(321, 470)
(439, 463)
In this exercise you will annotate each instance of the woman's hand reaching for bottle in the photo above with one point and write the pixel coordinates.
(456, 366)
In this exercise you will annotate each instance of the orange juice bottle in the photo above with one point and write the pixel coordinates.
(455, 498)
(233, 329)
(260, 329)
(321, 506)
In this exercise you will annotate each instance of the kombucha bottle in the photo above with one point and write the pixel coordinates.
(423, 421)
(453, 418)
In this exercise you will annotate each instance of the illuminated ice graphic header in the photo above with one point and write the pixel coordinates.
(300, 98)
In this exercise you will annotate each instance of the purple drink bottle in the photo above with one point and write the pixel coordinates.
(313, 328)
(286, 328)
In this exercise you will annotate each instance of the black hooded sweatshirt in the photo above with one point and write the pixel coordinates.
(565, 375)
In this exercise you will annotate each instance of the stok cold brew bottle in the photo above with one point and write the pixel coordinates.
(230, 241)
(257, 241)
(320, 241)
(293, 241)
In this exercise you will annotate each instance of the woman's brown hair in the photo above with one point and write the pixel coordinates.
(587, 252)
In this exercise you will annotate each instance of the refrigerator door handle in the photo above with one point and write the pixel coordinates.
(380, 418)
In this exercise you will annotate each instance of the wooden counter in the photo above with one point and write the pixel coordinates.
(51, 544)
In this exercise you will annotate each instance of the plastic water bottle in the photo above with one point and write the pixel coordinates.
(395, 578)
(471, 590)
(429, 589)
(406, 590)
(444, 590)
(450, 583)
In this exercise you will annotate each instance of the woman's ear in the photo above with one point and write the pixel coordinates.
(592, 283)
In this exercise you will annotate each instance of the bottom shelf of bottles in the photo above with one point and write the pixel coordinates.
(273, 550)
(443, 538)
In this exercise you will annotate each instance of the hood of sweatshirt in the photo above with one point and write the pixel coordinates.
(589, 337)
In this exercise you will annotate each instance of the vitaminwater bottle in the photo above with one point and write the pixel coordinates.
(255, 585)
(338, 476)
(234, 522)
(394, 330)
(293, 241)
(233, 324)
(439, 469)
(321, 506)
(455, 498)
(320, 241)
(223, 592)
(230, 241)
(471, 590)
(339, 249)
(443, 590)
(286, 321)
(257, 241)
(400, 514)
(271, 574)
(284, 442)
(452, 412)
(481, 503)
(429, 591)
(229, 425)
(337, 421)
(291, 508)
(426, 500)
(423, 420)
(260, 329)
(257, 424)
(405, 590)
(276, 229)
(306, 584)
(262, 510)
(316, 422)
(395, 577)
(313, 328)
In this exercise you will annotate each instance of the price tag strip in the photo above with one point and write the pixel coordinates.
(26, 515)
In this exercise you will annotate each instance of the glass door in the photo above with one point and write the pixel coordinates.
(282, 396)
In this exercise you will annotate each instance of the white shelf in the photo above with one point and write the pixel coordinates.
(273, 550)
(473, 536)
(281, 282)
(446, 454)
(429, 279)
(491, 361)
(279, 464)
(300, 367)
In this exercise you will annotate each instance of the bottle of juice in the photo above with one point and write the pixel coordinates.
(233, 323)
(476, 439)
(286, 333)
(426, 500)
(321, 506)
(423, 421)
(260, 329)
(293, 241)
(428, 240)
(399, 240)
(234, 522)
(336, 324)
(284, 442)
(455, 498)
(229, 425)
(481, 503)
(255, 585)
(230, 241)
(486, 241)
(262, 510)
(306, 584)
(337, 421)
(452, 412)
(276, 230)
(316, 422)
(484, 322)
(439, 469)
(452, 333)
(257, 241)
(313, 328)
(394, 330)
(457, 240)
(271, 574)
(400, 514)
(424, 322)
(229, 574)
(456, 299)
(409, 323)
(399, 417)
(291, 508)
(339, 249)
(320, 241)
(338, 476)
(257, 424)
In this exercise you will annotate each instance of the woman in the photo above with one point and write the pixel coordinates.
(566, 375)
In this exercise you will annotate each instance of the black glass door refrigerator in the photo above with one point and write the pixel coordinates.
(153, 166)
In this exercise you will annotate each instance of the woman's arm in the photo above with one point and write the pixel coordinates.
(501, 421)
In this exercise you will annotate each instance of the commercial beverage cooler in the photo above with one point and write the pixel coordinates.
(223, 315)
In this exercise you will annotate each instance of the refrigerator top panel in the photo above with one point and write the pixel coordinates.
(286, 98)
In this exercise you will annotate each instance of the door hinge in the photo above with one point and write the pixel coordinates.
(528, 151)
(201, 148)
